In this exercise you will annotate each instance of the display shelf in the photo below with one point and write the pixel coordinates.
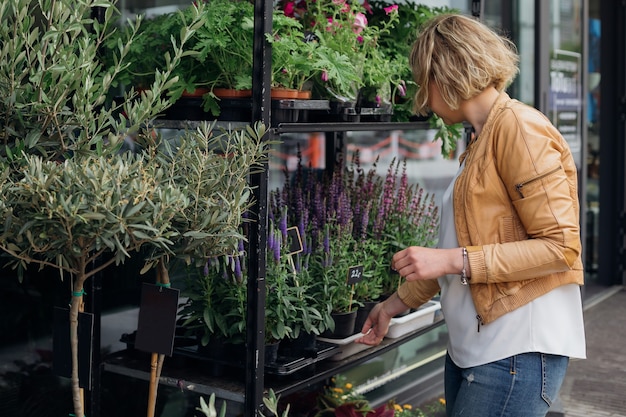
(188, 374)
(247, 384)
(348, 127)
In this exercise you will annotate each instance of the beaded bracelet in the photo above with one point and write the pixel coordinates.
(464, 270)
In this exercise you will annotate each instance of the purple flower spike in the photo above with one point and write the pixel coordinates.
(238, 274)
(277, 247)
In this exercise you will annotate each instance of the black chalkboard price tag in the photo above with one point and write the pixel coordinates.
(355, 274)
(156, 327)
(295, 241)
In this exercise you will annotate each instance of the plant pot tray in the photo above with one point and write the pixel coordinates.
(424, 316)
(337, 111)
(347, 346)
(301, 104)
(284, 364)
(295, 110)
(375, 114)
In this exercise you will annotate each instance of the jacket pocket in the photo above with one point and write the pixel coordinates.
(521, 186)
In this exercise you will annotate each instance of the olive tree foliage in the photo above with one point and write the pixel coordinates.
(53, 89)
(70, 195)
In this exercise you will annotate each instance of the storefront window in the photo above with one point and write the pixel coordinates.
(593, 143)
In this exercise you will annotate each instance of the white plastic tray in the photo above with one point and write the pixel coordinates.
(347, 346)
(424, 316)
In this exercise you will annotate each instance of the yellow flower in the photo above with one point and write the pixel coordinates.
(407, 406)
(442, 401)
(397, 407)
(348, 386)
(338, 390)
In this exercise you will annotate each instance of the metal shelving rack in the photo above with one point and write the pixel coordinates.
(252, 390)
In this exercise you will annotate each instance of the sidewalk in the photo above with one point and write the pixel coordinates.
(596, 386)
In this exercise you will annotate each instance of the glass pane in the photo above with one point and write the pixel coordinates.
(593, 143)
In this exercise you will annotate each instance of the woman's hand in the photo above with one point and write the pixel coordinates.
(377, 324)
(416, 262)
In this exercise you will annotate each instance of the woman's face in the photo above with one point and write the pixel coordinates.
(440, 108)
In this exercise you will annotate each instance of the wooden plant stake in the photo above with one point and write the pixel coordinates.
(355, 275)
(157, 358)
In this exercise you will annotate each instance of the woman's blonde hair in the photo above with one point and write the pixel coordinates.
(463, 57)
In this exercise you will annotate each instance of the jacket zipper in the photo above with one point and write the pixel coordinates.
(521, 185)
(480, 321)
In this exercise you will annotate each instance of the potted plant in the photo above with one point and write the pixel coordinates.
(405, 216)
(339, 76)
(216, 304)
(298, 59)
(224, 47)
(396, 44)
(342, 30)
(331, 263)
(217, 57)
(355, 218)
(215, 308)
(151, 44)
(293, 62)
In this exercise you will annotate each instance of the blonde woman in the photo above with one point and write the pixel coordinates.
(508, 262)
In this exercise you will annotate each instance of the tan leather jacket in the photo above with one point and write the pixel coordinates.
(516, 210)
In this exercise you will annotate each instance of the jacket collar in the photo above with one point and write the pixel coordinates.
(500, 103)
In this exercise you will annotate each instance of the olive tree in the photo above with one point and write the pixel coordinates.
(71, 194)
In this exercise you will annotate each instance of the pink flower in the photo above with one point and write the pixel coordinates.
(345, 7)
(402, 88)
(324, 75)
(290, 8)
(368, 7)
(391, 9)
(332, 25)
(360, 23)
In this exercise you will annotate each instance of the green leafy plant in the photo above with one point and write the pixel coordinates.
(216, 305)
(295, 61)
(208, 409)
(338, 73)
(330, 263)
(396, 45)
(270, 401)
(218, 55)
(224, 46)
(151, 43)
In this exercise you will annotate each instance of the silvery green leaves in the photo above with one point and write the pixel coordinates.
(54, 89)
(69, 213)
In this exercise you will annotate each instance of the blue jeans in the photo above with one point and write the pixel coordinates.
(520, 386)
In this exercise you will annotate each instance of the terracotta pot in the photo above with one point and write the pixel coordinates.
(231, 93)
(304, 94)
(283, 93)
(198, 92)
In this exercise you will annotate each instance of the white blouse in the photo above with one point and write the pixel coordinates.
(552, 323)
